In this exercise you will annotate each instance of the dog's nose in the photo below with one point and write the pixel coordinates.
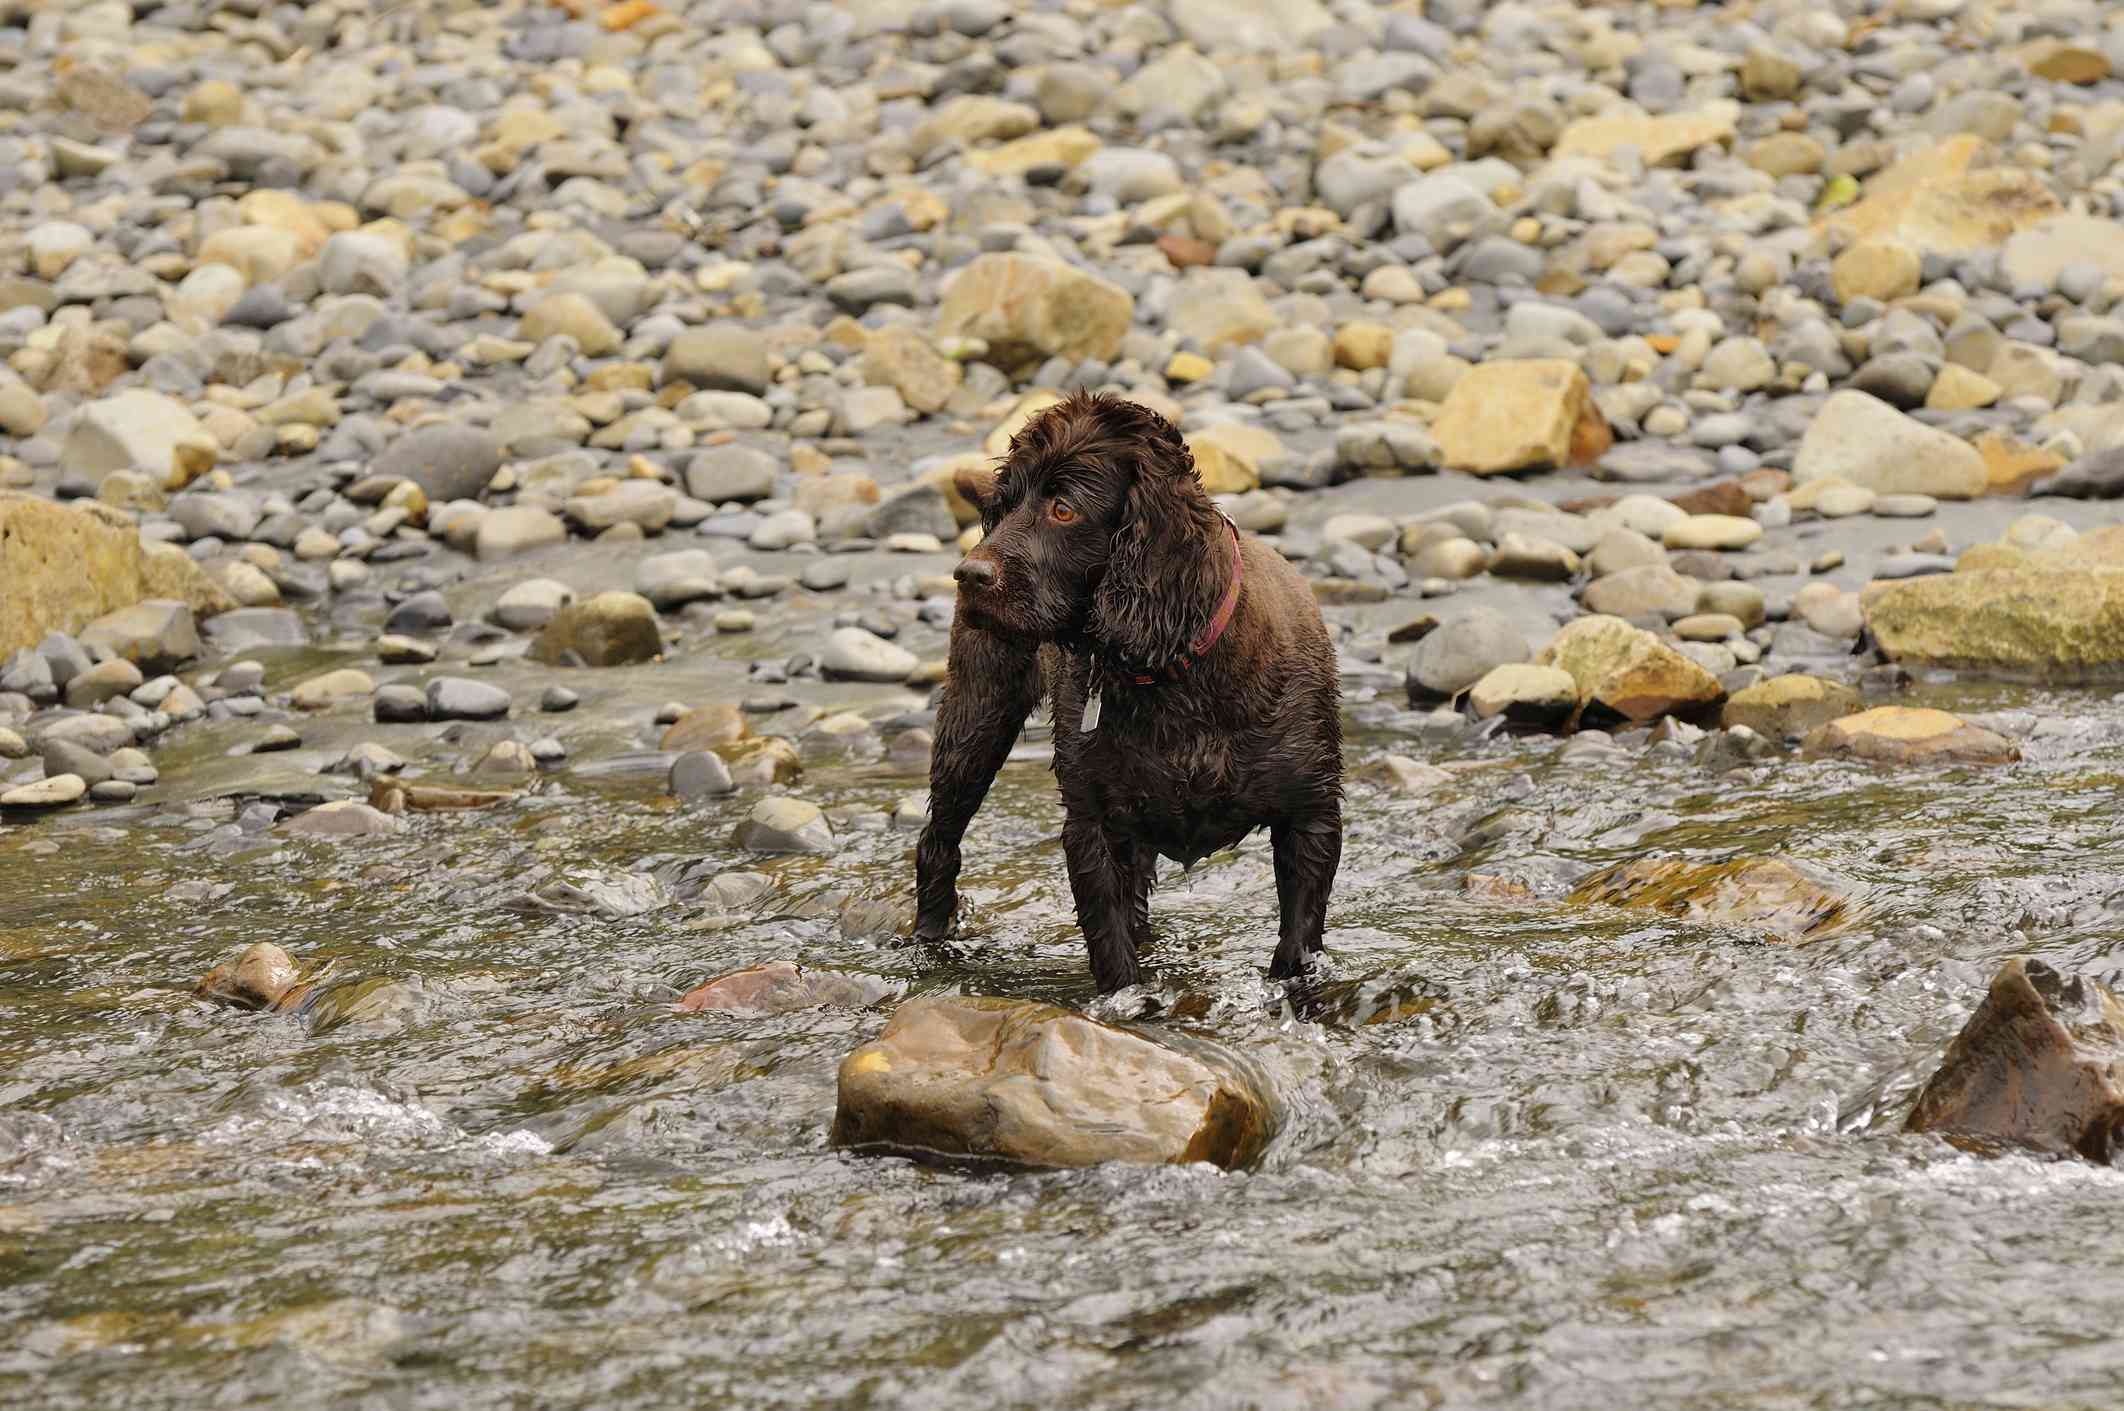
(975, 574)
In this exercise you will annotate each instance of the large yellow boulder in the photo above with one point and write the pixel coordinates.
(1521, 414)
(1028, 308)
(61, 568)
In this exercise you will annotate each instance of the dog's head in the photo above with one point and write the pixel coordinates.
(1096, 528)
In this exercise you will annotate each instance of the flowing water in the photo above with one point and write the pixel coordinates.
(1532, 1153)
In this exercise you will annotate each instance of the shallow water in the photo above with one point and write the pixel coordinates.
(1533, 1154)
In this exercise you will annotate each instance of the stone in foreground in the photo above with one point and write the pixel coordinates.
(1627, 673)
(1761, 893)
(2039, 1065)
(2057, 625)
(1521, 414)
(1011, 1081)
(1906, 735)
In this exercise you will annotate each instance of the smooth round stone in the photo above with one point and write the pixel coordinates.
(734, 620)
(55, 792)
(1712, 531)
(824, 575)
(531, 603)
(556, 699)
(398, 705)
(113, 791)
(1740, 600)
(853, 654)
(395, 650)
(1534, 695)
(1904, 506)
(1708, 627)
(548, 751)
(423, 612)
(456, 698)
(276, 738)
(1844, 501)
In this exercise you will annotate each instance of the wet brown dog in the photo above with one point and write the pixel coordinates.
(1192, 681)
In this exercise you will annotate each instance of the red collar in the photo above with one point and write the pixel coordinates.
(1208, 636)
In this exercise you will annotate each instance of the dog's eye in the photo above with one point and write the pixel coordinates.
(1062, 512)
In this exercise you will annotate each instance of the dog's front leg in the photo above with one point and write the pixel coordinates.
(990, 686)
(1307, 852)
(1102, 886)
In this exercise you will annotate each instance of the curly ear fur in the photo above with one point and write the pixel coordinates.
(977, 486)
(1167, 569)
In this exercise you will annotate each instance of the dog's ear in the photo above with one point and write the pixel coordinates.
(976, 484)
(1165, 572)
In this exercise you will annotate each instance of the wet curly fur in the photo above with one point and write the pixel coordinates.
(1071, 602)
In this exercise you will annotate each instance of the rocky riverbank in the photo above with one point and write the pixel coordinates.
(416, 415)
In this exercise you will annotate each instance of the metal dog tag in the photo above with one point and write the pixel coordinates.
(1091, 712)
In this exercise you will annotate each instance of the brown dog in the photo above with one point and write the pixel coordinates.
(1192, 680)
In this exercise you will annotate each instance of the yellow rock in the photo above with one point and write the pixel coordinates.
(1028, 308)
(1229, 456)
(283, 210)
(2054, 620)
(1057, 147)
(2061, 62)
(1221, 472)
(1909, 735)
(2012, 464)
(1941, 200)
(1188, 367)
(1521, 414)
(1660, 141)
(1881, 269)
(260, 253)
(1787, 154)
(1363, 346)
(1958, 389)
(62, 567)
(1627, 673)
(215, 103)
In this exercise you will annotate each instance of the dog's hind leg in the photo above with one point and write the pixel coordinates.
(1307, 852)
(990, 686)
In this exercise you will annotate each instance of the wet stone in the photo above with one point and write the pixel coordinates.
(456, 698)
(399, 704)
(700, 774)
(966, 1078)
(785, 825)
(2039, 1065)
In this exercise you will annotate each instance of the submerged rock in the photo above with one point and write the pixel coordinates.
(260, 978)
(783, 824)
(781, 985)
(2039, 1065)
(1030, 1084)
(1758, 892)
